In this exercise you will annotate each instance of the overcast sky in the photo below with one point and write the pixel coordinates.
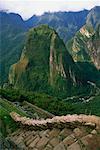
(27, 8)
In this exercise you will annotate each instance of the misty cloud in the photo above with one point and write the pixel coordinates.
(27, 8)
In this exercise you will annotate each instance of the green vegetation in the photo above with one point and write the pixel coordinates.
(92, 107)
(7, 124)
(10, 107)
(53, 104)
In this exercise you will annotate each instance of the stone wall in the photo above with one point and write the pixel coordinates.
(58, 120)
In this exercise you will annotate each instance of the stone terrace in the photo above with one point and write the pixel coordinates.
(57, 133)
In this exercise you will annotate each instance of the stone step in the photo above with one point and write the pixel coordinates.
(54, 132)
(69, 140)
(42, 143)
(29, 135)
(60, 147)
(44, 133)
(54, 141)
(74, 146)
(78, 138)
(30, 140)
(16, 132)
(34, 142)
(64, 133)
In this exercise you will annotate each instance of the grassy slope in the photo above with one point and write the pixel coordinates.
(8, 125)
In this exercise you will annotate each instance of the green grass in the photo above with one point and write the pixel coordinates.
(7, 123)
(10, 107)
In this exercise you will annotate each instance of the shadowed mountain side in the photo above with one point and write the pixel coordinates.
(12, 35)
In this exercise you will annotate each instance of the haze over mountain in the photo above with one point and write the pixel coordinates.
(27, 8)
(66, 24)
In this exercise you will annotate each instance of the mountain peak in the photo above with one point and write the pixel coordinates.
(44, 60)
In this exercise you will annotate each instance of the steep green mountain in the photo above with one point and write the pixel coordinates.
(45, 64)
(12, 35)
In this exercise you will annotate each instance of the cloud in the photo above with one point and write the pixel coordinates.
(26, 8)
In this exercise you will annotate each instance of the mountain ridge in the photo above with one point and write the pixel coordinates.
(13, 38)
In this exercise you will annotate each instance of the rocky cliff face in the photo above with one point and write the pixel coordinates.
(44, 62)
(78, 45)
(85, 47)
(94, 48)
(85, 50)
